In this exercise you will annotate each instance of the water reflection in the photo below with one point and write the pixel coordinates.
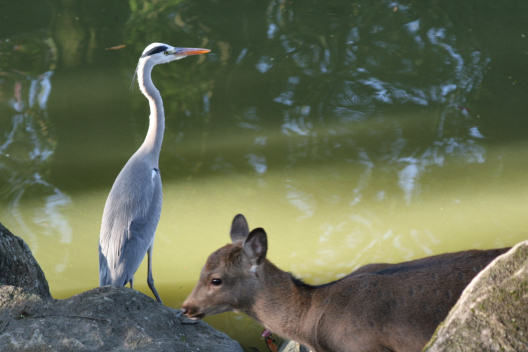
(27, 144)
(387, 88)
(362, 63)
(334, 70)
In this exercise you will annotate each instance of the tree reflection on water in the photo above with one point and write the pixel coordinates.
(343, 77)
(28, 141)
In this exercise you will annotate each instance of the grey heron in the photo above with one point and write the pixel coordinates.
(132, 209)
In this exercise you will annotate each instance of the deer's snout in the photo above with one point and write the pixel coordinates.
(191, 311)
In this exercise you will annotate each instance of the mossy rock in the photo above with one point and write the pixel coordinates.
(492, 312)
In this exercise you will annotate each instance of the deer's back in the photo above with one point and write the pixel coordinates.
(393, 307)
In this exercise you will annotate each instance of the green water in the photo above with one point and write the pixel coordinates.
(352, 132)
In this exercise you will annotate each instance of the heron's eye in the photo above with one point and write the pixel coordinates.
(166, 52)
(216, 282)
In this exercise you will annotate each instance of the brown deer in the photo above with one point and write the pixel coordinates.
(379, 307)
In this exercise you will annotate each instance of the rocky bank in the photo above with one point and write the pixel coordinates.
(102, 319)
(492, 312)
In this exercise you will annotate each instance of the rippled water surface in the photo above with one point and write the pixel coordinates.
(353, 132)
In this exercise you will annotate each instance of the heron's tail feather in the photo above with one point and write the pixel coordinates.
(104, 274)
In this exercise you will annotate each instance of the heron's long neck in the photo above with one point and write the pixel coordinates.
(152, 143)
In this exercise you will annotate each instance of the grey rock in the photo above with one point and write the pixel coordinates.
(13, 298)
(102, 319)
(492, 312)
(18, 267)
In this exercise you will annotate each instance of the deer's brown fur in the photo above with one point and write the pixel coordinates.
(379, 307)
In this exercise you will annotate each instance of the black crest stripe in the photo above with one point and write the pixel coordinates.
(155, 50)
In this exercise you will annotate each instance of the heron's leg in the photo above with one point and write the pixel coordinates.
(131, 284)
(150, 280)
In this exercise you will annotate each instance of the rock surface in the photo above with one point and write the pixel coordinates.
(18, 267)
(492, 312)
(102, 319)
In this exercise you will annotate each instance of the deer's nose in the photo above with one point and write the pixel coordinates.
(191, 312)
(187, 309)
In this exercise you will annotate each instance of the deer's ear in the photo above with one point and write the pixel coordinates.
(239, 228)
(256, 245)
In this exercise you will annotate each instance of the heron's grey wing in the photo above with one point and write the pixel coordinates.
(134, 210)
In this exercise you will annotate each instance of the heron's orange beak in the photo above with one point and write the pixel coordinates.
(190, 51)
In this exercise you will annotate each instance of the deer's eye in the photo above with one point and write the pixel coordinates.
(216, 282)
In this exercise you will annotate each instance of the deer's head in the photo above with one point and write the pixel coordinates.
(230, 279)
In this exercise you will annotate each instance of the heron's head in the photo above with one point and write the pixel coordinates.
(159, 53)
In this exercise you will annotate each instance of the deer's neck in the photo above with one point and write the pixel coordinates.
(283, 305)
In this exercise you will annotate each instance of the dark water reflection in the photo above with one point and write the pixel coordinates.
(323, 72)
(28, 141)
(354, 127)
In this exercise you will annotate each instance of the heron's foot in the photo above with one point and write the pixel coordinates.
(157, 297)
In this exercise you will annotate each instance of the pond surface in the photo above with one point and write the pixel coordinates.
(353, 132)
